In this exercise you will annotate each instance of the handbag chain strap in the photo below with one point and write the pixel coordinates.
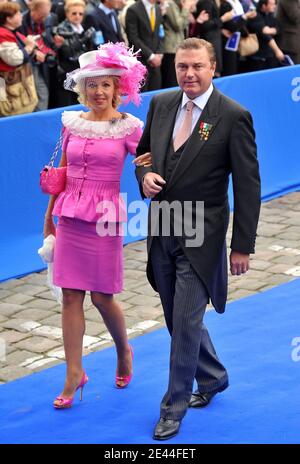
(56, 149)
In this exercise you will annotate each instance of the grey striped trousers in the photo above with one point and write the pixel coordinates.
(184, 299)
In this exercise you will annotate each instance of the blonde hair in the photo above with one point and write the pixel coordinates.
(80, 89)
(71, 3)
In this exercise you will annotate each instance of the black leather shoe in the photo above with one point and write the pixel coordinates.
(200, 400)
(166, 428)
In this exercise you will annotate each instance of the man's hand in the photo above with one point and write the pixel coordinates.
(152, 184)
(40, 56)
(155, 62)
(239, 263)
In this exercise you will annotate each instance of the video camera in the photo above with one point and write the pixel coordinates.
(86, 36)
(50, 55)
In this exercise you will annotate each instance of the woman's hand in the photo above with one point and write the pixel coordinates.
(228, 16)
(144, 160)
(49, 226)
(250, 14)
(164, 5)
(29, 40)
(203, 17)
(226, 33)
(29, 44)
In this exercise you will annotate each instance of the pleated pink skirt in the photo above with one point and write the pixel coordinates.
(83, 260)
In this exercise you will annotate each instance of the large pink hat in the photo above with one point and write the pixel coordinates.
(111, 59)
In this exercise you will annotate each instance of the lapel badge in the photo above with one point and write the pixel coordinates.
(204, 130)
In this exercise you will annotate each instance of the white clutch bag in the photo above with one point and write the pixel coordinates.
(46, 252)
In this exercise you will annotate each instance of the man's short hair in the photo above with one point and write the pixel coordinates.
(193, 43)
(36, 4)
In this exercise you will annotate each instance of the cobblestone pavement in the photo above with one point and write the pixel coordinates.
(30, 320)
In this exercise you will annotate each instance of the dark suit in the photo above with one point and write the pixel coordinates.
(201, 174)
(140, 35)
(288, 15)
(44, 72)
(95, 17)
(210, 30)
(231, 59)
(264, 58)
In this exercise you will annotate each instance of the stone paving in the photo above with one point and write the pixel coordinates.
(30, 320)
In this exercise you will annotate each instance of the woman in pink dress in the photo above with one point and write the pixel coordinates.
(88, 253)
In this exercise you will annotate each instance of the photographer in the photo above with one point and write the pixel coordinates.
(39, 22)
(76, 42)
(16, 52)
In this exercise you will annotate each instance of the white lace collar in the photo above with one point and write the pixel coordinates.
(117, 129)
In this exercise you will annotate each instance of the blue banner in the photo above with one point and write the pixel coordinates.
(27, 142)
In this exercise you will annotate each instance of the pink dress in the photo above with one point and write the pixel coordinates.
(89, 243)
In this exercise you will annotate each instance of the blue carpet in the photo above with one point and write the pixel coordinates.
(262, 405)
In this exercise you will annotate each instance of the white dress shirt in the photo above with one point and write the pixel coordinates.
(148, 7)
(199, 103)
(77, 28)
(237, 7)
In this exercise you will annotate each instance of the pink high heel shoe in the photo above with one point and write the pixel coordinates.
(123, 381)
(64, 403)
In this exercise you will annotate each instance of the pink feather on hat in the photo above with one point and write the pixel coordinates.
(118, 55)
(114, 56)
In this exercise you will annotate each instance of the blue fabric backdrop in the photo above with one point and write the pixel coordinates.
(273, 97)
(258, 341)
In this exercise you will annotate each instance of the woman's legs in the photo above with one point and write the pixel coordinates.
(114, 320)
(73, 325)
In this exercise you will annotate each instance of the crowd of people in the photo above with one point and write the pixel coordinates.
(41, 40)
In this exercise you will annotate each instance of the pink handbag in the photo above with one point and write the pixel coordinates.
(53, 180)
